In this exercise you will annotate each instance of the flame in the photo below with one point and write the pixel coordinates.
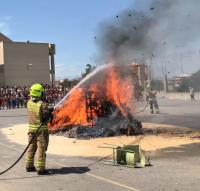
(118, 90)
(113, 87)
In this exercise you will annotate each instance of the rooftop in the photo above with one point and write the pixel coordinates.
(4, 38)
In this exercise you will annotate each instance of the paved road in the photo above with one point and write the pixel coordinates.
(174, 112)
(174, 168)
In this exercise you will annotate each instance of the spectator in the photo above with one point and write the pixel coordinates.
(192, 93)
(16, 96)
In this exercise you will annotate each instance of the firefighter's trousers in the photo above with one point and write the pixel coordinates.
(38, 147)
(153, 103)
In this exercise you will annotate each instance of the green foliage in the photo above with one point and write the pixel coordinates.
(70, 83)
(195, 80)
(89, 68)
(157, 85)
(184, 85)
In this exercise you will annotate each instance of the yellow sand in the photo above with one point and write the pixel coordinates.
(60, 145)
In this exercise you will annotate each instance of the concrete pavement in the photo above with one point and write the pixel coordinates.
(173, 112)
(173, 168)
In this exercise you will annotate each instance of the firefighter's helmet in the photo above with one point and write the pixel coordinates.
(36, 90)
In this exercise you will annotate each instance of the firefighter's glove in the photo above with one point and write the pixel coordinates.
(50, 117)
(47, 117)
(51, 114)
(51, 109)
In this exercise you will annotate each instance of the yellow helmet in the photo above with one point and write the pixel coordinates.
(36, 90)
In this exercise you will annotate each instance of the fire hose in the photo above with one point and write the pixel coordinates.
(147, 103)
(34, 136)
(13, 116)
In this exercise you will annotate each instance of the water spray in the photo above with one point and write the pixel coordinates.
(88, 77)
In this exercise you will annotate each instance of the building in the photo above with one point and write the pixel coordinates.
(175, 82)
(139, 73)
(25, 63)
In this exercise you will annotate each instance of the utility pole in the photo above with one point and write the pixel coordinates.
(181, 62)
(165, 83)
(165, 77)
(148, 70)
(151, 71)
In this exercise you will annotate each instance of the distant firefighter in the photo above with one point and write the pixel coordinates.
(151, 98)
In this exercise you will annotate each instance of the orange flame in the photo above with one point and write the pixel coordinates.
(114, 87)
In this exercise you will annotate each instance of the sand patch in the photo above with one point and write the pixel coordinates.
(158, 136)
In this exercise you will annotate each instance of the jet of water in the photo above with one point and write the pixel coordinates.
(84, 80)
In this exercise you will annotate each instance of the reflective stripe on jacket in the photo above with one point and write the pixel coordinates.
(35, 116)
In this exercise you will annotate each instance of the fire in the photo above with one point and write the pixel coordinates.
(118, 90)
(112, 86)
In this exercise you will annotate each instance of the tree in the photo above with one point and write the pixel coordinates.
(184, 85)
(195, 80)
(157, 85)
(89, 68)
(71, 83)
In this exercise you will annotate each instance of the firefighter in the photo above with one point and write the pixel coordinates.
(38, 112)
(151, 98)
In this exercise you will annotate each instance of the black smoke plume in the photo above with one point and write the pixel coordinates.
(162, 27)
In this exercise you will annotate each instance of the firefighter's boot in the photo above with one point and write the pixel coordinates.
(30, 169)
(43, 172)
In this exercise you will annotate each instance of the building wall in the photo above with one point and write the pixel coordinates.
(143, 73)
(2, 81)
(2, 77)
(179, 95)
(1, 54)
(139, 73)
(26, 63)
(4, 38)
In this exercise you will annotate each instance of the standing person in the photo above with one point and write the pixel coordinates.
(151, 98)
(1, 102)
(192, 93)
(38, 113)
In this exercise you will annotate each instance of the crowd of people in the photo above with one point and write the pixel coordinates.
(17, 97)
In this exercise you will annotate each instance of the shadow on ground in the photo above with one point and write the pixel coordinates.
(69, 170)
(53, 172)
(183, 151)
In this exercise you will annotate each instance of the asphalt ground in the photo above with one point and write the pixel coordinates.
(173, 168)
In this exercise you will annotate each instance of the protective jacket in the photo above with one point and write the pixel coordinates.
(151, 95)
(37, 113)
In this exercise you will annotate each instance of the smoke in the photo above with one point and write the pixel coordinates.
(161, 28)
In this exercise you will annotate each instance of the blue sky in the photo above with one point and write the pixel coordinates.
(70, 24)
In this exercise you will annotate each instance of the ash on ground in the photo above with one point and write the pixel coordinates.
(104, 127)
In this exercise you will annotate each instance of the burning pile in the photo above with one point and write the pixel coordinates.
(102, 106)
